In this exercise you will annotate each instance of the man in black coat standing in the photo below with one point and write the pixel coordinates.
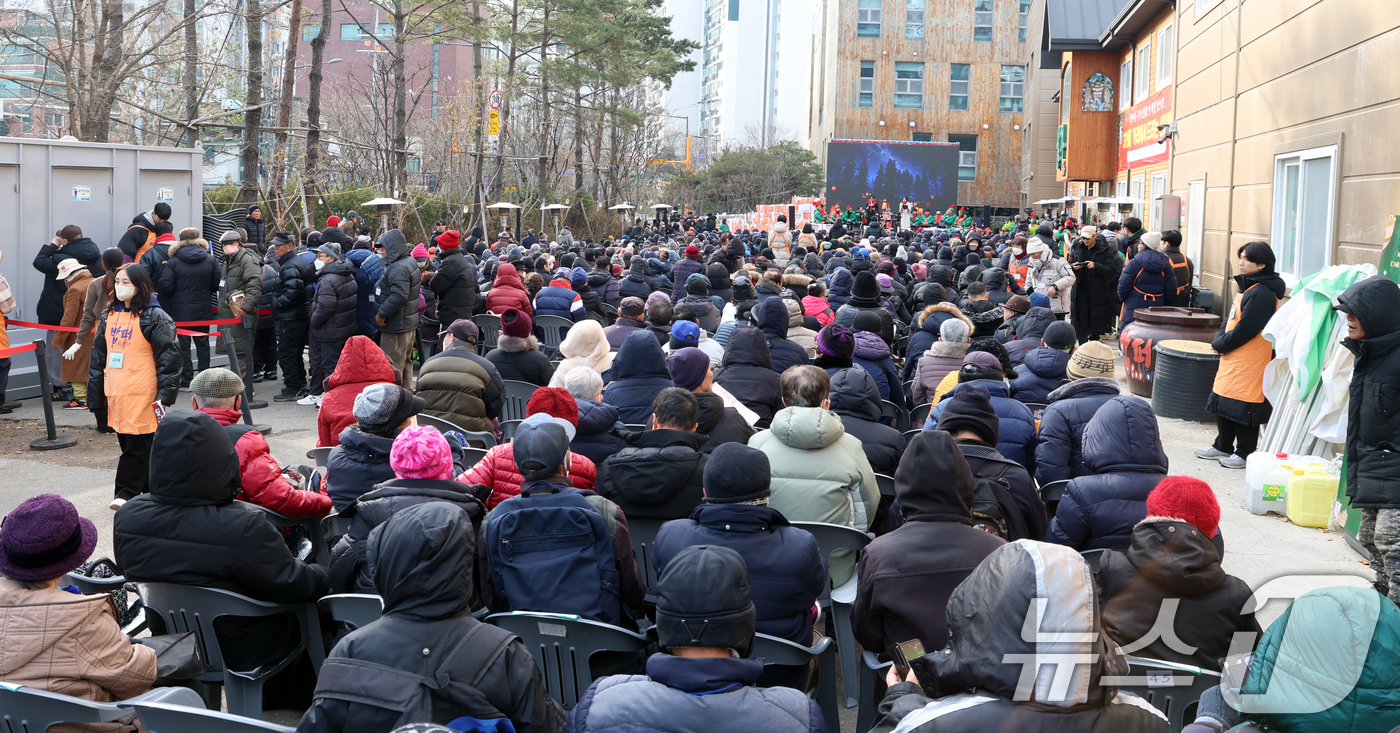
(188, 281)
(1093, 298)
(68, 243)
(1372, 308)
(254, 228)
(290, 310)
(332, 312)
(454, 283)
(397, 296)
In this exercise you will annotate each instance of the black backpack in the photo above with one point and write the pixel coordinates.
(420, 699)
(994, 508)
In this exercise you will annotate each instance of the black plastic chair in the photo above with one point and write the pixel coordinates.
(871, 670)
(909, 434)
(162, 718)
(600, 318)
(781, 652)
(899, 419)
(490, 326)
(29, 710)
(508, 428)
(886, 484)
(356, 609)
(516, 398)
(190, 608)
(919, 415)
(336, 526)
(644, 533)
(1036, 408)
(320, 549)
(636, 428)
(831, 538)
(1051, 494)
(1175, 689)
(562, 646)
(1094, 558)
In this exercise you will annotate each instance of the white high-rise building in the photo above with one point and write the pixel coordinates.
(754, 67)
(683, 98)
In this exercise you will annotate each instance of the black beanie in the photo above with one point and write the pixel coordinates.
(639, 267)
(703, 599)
(865, 286)
(736, 473)
(868, 321)
(971, 409)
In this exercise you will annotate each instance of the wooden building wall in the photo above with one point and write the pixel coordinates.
(1092, 153)
(948, 39)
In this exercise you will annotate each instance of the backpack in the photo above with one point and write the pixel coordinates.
(994, 508)
(550, 550)
(420, 699)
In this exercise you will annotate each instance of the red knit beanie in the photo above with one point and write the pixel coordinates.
(1188, 499)
(449, 239)
(555, 402)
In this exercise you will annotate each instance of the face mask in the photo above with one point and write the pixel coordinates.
(125, 293)
(319, 264)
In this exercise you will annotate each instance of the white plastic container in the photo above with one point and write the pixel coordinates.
(1266, 479)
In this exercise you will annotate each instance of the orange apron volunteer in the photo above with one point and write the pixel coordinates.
(131, 385)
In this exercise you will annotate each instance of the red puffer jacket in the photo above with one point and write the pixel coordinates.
(361, 364)
(508, 291)
(261, 477)
(497, 470)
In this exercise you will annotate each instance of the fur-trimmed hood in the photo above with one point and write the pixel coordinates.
(949, 308)
(793, 278)
(516, 345)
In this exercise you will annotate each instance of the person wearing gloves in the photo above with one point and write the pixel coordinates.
(57, 639)
(1046, 273)
(135, 364)
(704, 680)
(76, 353)
(240, 292)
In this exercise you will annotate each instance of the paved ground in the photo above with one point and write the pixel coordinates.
(1259, 549)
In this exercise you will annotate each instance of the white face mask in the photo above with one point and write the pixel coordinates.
(319, 264)
(125, 293)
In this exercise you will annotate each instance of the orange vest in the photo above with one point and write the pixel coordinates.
(4, 333)
(1241, 374)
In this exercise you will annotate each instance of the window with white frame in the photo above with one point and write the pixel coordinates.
(867, 83)
(1122, 190)
(982, 20)
(868, 18)
(1144, 71)
(914, 18)
(1305, 192)
(1013, 88)
(1024, 21)
(1139, 194)
(958, 91)
(1166, 46)
(908, 85)
(967, 156)
(1204, 6)
(1125, 85)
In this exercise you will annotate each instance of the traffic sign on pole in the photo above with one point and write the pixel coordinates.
(494, 100)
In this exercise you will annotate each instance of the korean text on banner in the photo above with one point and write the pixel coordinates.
(1138, 144)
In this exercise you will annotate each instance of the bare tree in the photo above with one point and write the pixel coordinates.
(252, 121)
(281, 204)
(313, 101)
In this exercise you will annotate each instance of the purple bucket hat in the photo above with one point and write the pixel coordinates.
(44, 538)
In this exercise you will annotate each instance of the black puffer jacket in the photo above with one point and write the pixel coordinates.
(637, 375)
(660, 475)
(50, 308)
(773, 318)
(856, 398)
(337, 297)
(292, 297)
(397, 294)
(906, 576)
(422, 568)
(1373, 414)
(350, 571)
(1060, 441)
(1030, 329)
(188, 282)
(1173, 560)
(971, 686)
(747, 373)
(454, 283)
(595, 439)
(719, 424)
(190, 531)
(356, 465)
(159, 330)
(256, 230)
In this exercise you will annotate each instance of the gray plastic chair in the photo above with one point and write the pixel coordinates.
(1172, 688)
(562, 646)
(886, 484)
(163, 718)
(474, 437)
(356, 609)
(336, 526)
(919, 415)
(508, 428)
(830, 538)
(319, 549)
(490, 326)
(473, 456)
(322, 456)
(899, 419)
(600, 318)
(516, 397)
(29, 710)
(872, 670)
(189, 608)
(781, 652)
(553, 329)
(909, 434)
(644, 533)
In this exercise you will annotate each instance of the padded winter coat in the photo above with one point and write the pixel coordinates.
(683, 270)
(873, 355)
(1124, 455)
(1030, 329)
(928, 323)
(462, 388)
(595, 439)
(508, 291)
(497, 470)
(369, 267)
(1060, 442)
(820, 474)
(188, 282)
(638, 374)
(1042, 373)
(941, 359)
(49, 310)
(659, 475)
(159, 330)
(1373, 413)
(454, 284)
(718, 423)
(261, 479)
(356, 465)
(773, 318)
(585, 345)
(333, 313)
(747, 374)
(1094, 295)
(559, 300)
(291, 299)
(361, 364)
(1016, 434)
(856, 399)
(397, 295)
(520, 360)
(1147, 281)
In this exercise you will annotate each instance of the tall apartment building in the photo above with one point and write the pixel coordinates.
(682, 98)
(754, 66)
(926, 71)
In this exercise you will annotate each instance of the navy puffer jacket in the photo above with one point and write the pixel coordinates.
(333, 312)
(594, 439)
(1123, 452)
(1148, 281)
(684, 269)
(1059, 445)
(637, 375)
(1030, 329)
(1016, 434)
(1042, 373)
(561, 301)
(356, 465)
(856, 399)
(838, 291)
(369, 267)
(772, 317)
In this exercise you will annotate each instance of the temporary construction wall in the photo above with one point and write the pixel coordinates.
(47, 184)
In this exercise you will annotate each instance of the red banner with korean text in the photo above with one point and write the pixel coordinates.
(1138, 144)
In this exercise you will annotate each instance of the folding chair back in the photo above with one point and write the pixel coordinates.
(886, 484)
(490, 326)
(553, 329)
(1094, 558)
(562, 646)
(644, 533)
(833, 538)
(1172, 688)
(899, 419)
(516, 397)
(30, 710)
(781, 652)
(322, 456)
